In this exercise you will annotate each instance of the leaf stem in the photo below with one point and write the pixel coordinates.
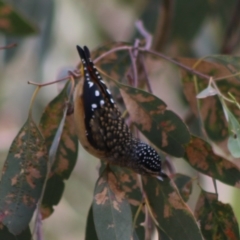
(142, 60)
(137, 214)
(116, 49)
(33, 99)
(11, 45)
(121, 48)
(133, 56)
(220, 95)
(169, 59)
(227, 76)
(48, 83)
(147, 36)
(234, 100)
(215, 185)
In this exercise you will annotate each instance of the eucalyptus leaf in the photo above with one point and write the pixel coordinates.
(234, 138)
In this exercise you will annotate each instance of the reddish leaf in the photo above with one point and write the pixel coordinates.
(65, 149)
(12, 23)
(174, 217)
(23, 175)
(111, 211)
(217, 219)
(68, 146)
(211, 108)
(150, 114)
(199, 155)
(129, 183)
(161, 126)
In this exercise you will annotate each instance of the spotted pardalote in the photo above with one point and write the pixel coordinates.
(101, 129)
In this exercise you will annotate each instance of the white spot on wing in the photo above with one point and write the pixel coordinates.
(90, 83)
(94, 105)
(97, 93)
(101, 102)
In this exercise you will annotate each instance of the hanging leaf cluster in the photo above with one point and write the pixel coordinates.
(126, 205)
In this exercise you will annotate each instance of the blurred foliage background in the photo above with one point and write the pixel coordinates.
(180, 28)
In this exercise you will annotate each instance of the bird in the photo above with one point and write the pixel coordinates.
(101, 129)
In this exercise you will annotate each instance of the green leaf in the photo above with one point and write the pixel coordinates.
(22, 178)
(52, 195)
(200, 156)
(184, 185)
(161, 126)
(174, 217)
(111, 210)
(90, 227)
(234, 146)
(216, 219)
(234, 138)
(12, 23)
(211, 108)
(129, 182)
(55, 124)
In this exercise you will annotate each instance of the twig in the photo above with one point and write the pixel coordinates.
(146, 74)
(39, 232)
(72, 86)
(33, 99)
(220, 94)
(48, 83)
(227, 76)
(133, 56)
(215, 185)
(142, 30)
(135, 50)
(121, 48)
(191, 70)
(11, 45)
(147, 224)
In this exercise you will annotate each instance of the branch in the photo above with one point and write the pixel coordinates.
(121, 48)
(191, 70)
(147, 80)
(48, 83)
(11, 45)
(148, 37)
(133, 56)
